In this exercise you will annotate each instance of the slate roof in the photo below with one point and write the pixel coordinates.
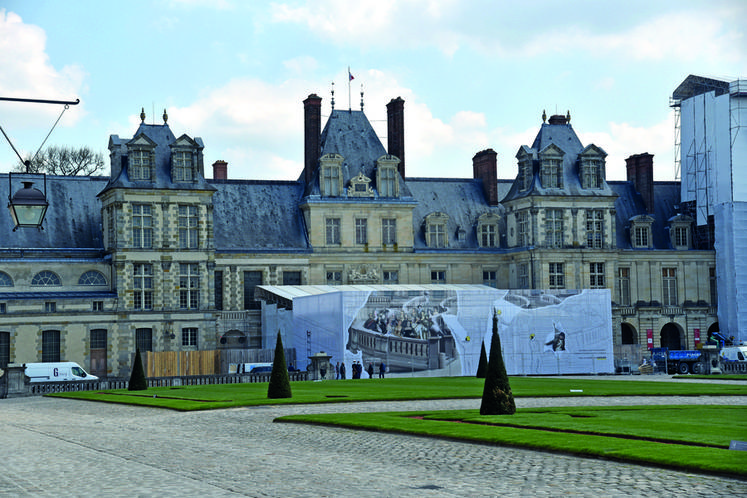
(462, 200)
(73, 219)
(350, 134)
(163, 138)
(564, 137)
(251, 216)
(630, 204)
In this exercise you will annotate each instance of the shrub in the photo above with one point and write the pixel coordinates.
(497, 398)
(482, 366)
(137, 377)
(279, 379)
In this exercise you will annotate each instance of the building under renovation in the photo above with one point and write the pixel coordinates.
(159, 257)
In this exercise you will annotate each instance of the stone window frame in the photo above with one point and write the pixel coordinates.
(640, 232)
(182, 165)
(596, 275)
(141, 159)
(390, 277)
(142, 225)
(334, 276)
(189, 286)
(142, 285)
(389, 231)
(554, 227)
(436, 230)
(623, 286)
(487, 226)
(592, 167)
(387, 181)
(46, 278)
(360, 186)
(556, 275)
(361, 231)
(680, 232)
(438, 276)
(332, 231)
(330, 175)
(92, 277)
(551, 167)
(522, 275)
(525, 159)
(190, 337)
(523, 228)
(188, 218)
(669, 286)
(490, 277)
(595, 228)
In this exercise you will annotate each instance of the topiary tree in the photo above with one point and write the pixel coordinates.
(497, 398)
(279, 379)
(482, 367)
(137, 377)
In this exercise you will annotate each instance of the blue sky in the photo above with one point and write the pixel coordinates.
(474, 74)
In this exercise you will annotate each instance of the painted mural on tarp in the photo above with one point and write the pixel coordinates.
(439, 332)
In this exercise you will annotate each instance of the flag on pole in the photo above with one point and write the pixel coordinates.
(350, 75)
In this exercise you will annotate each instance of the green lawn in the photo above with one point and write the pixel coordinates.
(231, 395)
(690, 438)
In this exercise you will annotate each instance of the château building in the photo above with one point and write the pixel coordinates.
(157, 256)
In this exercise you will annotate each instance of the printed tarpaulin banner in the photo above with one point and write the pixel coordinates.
(440, 330)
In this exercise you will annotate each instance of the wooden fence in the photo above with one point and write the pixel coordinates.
(181, 363)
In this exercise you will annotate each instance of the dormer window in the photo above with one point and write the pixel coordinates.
(526, 173)
(591, 167)
(679, 232)
(141, 164)
(551, 167)
(640, 232)
(330, 181)
(181, 166)
(435, 230)
(386, 176)
(487, 230)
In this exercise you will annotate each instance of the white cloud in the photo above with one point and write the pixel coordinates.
(301, 66)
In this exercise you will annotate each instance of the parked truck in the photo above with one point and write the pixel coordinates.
(56, 372)
(678, 361)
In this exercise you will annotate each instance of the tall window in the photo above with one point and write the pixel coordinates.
(438, 277)
(387, 182)
(681, 237)
(4, 349)
(557, 277)
(522, 228)
(623, 286)
(140, 165)
(389, 231)
(436, 235)
(218, 286)
(554, 228)
(187, 227)
(143, 286)
(334, 277)
(251, 280)
(591, 170)
(111, 229)
(181, 166)
(50, 346)
(98, 352)
(596, 275)
(142, 226)
(641, 236)
(712, 279)
(551, 172)
(189, 337)
(594, 228)
(488, 235)
(490, 278)
(144, 339)
(331, 180)
(361, 231)
(669, 286)
(189, 286)
(523, 276)
(333, 232)
(390, 277)
(525, 174)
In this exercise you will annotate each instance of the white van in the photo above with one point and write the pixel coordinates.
(57, 372)
(734, 353)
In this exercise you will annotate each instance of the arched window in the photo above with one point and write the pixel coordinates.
(46, 278)
(628, 335)
(92, 277)
(5, 280)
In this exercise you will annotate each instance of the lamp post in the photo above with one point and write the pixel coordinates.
(27, 206)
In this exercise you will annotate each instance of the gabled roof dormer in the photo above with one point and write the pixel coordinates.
(141, 159)
(551, 166)
(591, 167)
(185, 159)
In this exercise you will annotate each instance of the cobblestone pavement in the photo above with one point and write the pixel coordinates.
(58, 447)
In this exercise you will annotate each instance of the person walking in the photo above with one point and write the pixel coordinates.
(370, 370)
(382, 369)
(337, 371)
(342, 370)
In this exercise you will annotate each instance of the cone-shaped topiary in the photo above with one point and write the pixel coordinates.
(137, 377)
(482, 367)
(497, 398)
(279, 380)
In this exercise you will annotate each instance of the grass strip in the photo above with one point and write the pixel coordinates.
(204, 397)
(662, 436)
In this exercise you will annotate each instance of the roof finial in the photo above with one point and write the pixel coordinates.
(568, 116)
(165, 116)
(361, 97)
(142, 114)
(333, 95)
(544, 116)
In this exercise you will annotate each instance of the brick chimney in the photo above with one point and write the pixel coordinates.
(485, 168)
(641, 173)
(395, 114)
(220, 170)
(312, 125)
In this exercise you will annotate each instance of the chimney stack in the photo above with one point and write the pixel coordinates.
(312, 114)
(485, 168)
(641, 173)
(395, 113)
(220, 170)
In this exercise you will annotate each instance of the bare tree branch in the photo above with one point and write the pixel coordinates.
(65, 161)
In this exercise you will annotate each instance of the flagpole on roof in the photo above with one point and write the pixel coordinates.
(350, 78)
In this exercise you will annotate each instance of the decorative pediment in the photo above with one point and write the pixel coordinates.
(141, 141)
(592, 150)
(184, 142)
(360, 186)
(552, 150)
(363, 274)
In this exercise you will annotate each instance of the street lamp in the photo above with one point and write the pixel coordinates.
(27, 206)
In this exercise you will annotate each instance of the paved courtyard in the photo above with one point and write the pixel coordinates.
(56, 447)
